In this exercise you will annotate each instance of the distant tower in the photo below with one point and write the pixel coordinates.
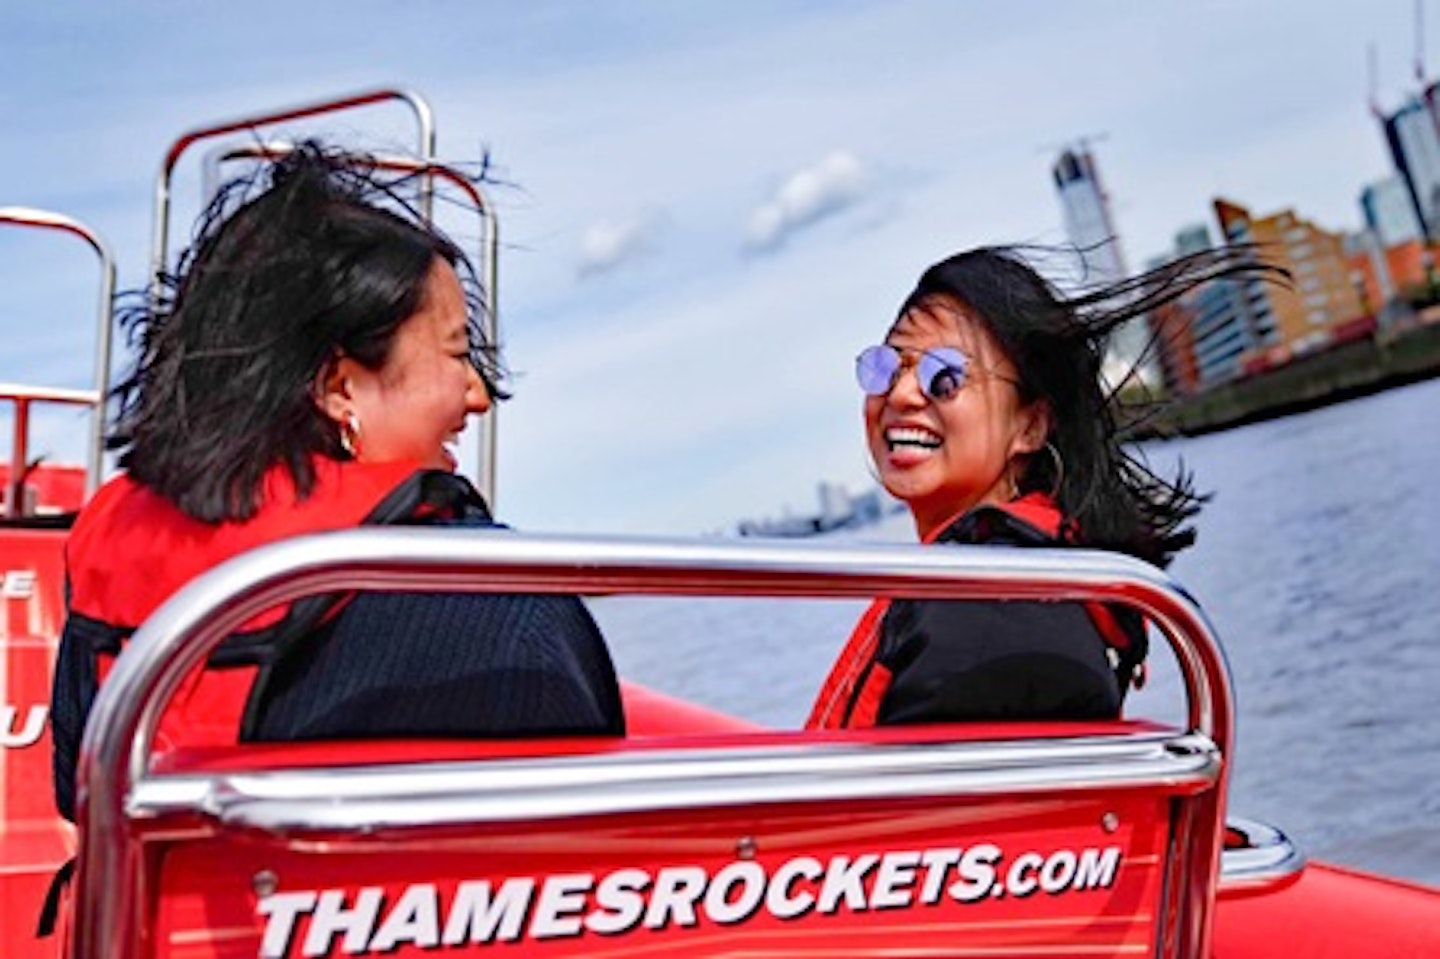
(1088, 223)
(1090, 227)
(1410, 132)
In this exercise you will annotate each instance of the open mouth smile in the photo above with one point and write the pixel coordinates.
(911, 437)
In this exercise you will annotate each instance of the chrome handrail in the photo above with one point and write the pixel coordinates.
(425, 149)
(489, 252)
(433, 800)
(1268, 858)
(114, 761)
(22, 395)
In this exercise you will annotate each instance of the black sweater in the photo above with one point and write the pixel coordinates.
(998, 660)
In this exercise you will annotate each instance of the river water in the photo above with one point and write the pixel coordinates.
(1318, 562)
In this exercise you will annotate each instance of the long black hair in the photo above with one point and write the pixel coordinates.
(327, 259)
(1109, 498)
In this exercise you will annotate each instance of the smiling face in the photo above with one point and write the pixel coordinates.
(944, 457)
(415, 405)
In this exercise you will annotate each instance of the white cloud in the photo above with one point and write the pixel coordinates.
(808, 195)
(608, 244)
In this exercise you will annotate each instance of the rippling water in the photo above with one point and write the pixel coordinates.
(1319, 564)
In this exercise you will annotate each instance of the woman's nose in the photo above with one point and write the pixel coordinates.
(477, 395)
(906, 392)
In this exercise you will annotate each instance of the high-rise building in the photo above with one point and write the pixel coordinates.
(1389, 211)
(1324, 295)
(1194, 238)
(1414, 142)
(1090, 227)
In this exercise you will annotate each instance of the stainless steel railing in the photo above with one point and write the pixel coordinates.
(23, 396)
(116, 785)
(425, 148)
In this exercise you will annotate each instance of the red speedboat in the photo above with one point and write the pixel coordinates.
(697, 833)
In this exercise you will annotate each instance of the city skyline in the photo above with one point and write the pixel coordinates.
(706, 213)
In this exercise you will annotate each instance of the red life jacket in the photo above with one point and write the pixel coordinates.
(131, 549)
(841, 705)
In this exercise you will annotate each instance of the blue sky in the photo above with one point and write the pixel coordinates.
(707, 209)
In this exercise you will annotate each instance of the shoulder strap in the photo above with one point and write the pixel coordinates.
(423, 497)
(1034, 520)
(430, 496)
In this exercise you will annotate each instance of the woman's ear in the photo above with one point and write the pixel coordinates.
(333, 389)
(1035, 423)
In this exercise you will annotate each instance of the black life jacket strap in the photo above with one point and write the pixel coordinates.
(50, 911)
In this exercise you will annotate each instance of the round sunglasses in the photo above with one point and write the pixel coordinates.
(941, 370)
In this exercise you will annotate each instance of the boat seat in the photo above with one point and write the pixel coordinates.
(1024, 839)
(999, 840)
(461, 665)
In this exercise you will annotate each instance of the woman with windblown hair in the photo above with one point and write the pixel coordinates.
(985, 413)
(310, 368)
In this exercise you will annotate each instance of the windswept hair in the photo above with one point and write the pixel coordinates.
(1109, 497)
(313, 257)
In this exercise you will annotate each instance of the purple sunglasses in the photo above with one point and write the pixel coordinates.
(942, 370)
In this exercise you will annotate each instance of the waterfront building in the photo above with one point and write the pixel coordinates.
(1090, 228)
(1206, 337)
(1194, 238)
(1214, 332)
(1324, 297)
(836, 504)
(1224, 331)
(1413, 137)
(1173, 327)
(838, 510)
(1370, 269)
(1390, 260)
(1391, 279)
(1389, 212)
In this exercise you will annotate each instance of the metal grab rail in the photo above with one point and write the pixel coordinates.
(1267, 858)
(425, 148)
(373, 804)
(22, 396)
(425, 163)
(489, 250)
(114, 759)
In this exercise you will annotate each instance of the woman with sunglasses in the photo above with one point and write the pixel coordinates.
(310, 368)
(985, 413)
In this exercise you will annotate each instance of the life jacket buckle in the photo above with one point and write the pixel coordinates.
(1140, 675)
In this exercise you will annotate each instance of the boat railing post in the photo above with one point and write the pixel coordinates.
(95, 449)
(489, 425)
(425, 150)
(19, 453)
(115, 754)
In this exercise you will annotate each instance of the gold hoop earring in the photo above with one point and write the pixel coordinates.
(1054, 452)
(350, 434)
